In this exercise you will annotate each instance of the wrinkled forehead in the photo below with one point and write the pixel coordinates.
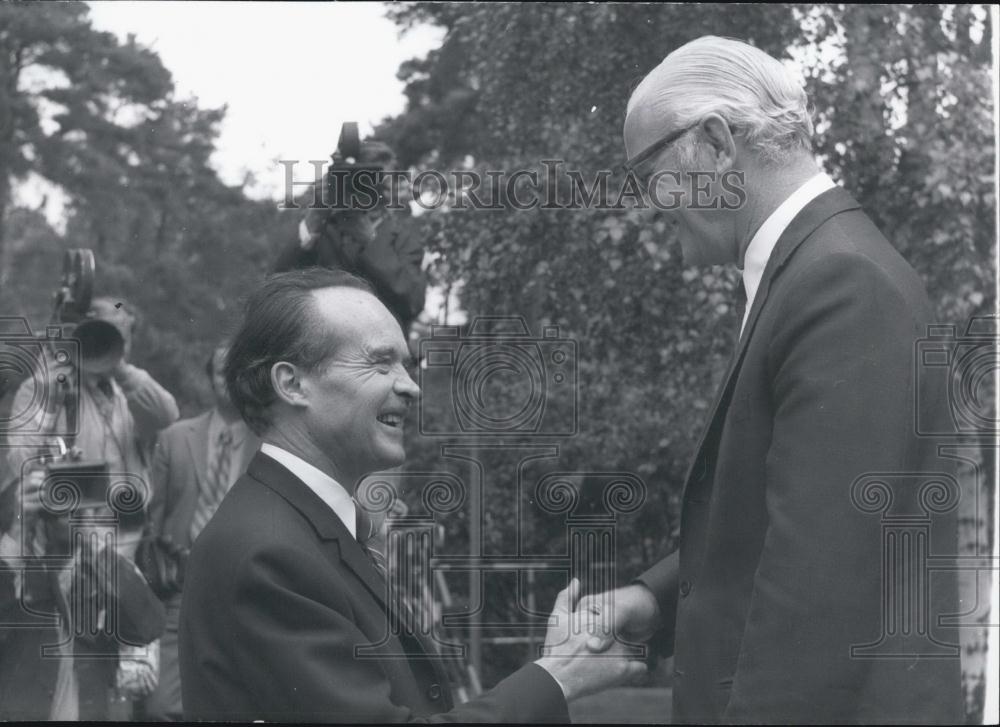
(356, 318)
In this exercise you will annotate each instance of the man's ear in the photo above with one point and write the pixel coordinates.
(716, 130)
(286, 379)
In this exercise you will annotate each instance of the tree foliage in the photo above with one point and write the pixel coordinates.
(99, 118)
(907, 111)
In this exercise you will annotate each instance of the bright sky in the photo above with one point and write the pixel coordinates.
(289, 72)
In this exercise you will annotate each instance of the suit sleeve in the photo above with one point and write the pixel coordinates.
(300, 649)
(841, 369)
(662, 580)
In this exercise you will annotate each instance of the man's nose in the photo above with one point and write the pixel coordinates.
(405, 386)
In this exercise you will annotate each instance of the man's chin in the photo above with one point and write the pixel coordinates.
(391, 455)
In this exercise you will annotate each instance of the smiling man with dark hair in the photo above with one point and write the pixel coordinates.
(282, 586)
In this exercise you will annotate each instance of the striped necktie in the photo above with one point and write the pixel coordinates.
(216, 483)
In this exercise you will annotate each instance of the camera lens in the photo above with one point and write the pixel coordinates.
(99, 340)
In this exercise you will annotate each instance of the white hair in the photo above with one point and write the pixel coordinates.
(751, 90)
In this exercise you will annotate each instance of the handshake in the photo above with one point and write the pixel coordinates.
(592, 643)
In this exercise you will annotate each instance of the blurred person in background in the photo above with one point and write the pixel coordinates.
(377, 244)
(195, 463)
(104, 607)
(121, 408)
(288, 580)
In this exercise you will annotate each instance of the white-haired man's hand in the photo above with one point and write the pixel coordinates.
(569, 659)
(630, 613)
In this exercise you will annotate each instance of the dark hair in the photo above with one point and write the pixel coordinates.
(279, 324)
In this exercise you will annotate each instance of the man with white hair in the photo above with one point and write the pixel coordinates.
(785, 602)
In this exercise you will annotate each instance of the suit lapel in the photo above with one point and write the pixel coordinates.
(324, 521)
(807, 221)
(329, 527)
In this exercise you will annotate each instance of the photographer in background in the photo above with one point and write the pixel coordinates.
(121, 408)
(116, 412)
(374, 242)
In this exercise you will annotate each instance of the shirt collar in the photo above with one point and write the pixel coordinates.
(237, 429)
(328, 489)
(767, 236)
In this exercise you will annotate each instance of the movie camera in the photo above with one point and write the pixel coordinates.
(354, 177)
(51, 366)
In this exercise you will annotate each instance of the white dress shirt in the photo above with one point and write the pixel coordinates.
(767, 236)
(329, 490)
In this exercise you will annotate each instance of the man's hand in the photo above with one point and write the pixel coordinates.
(631, 613)
(568, 659)
(122, 371)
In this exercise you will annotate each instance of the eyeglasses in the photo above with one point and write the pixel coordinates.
(630, 164)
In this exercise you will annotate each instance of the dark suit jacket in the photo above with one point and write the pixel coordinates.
(779, 570)
(278, 595)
